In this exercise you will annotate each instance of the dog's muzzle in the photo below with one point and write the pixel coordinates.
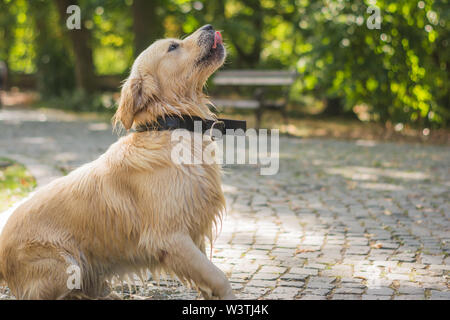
(212, 44)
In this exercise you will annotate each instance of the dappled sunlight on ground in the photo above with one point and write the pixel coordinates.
(355, 173)
(381, 186)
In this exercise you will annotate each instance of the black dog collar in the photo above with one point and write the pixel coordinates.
(188, 123)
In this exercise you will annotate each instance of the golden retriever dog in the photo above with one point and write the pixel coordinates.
(133, 209)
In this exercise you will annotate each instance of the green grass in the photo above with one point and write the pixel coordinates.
(15, 183)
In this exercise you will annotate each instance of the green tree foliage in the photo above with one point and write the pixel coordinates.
(7, 18)
(399, 71)
(17, 36)
(112, 35)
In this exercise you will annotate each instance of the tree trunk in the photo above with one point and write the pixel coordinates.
(251, 59)
(334, 107)
(82, 49)
(55, 70)
(147, 25)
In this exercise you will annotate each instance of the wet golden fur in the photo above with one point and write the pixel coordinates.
(132, 209)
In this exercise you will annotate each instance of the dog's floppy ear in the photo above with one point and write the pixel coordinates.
(137, 93)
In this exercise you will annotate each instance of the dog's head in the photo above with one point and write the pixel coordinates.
(167, 78)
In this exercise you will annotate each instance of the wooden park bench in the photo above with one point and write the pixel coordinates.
(261, 80)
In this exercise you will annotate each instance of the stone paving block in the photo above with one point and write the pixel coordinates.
(447, 260)
(366, 275)
(390, 264)
(327, 280)
(304, 271)
(382, 252)
(292, 262)
(415, 266)
(346, 290)
(404, 277)
(257, 254)
(272, 269)
(351, 280)
(312, 297)
(265, 276)
(388, 245)
(399, 270)
(429, 259)
(236, 286)
(314, 284)
(324, 260)
(382, 291)
(429, 280)
(319, 286)
(245, 268)
(294, 276)
(261, 283)
(332, 251)
(374, 257)
(308, 255)
(346, 297)
(246, 296)
(439, 267)
(318, 266)
(440, 295)
(255, 292)
(375, 297)
(409, 297)
(338, 271)
(411, 290)
(407, 257)
(316, 291)
(352, 285)
(288, 293)
(291, 283)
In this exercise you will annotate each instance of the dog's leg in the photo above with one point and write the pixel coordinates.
(45, 273)
(108, 293)
(188, 262)
(49, 282)
(40, 280)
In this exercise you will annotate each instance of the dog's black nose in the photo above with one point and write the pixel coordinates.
(207, 27)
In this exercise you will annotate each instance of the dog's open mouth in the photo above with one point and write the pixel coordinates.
(216, 51)
(217, 39)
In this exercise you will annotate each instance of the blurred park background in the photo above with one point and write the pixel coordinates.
(354, 81)
(356, 210)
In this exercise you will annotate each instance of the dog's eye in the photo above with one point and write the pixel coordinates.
(173, 46)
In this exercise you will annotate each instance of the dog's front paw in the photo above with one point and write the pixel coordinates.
(113, 296)
(229, 296)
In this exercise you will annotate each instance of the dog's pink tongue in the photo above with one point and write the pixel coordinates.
(217, 39)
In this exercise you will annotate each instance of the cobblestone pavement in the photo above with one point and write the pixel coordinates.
(341, 219)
